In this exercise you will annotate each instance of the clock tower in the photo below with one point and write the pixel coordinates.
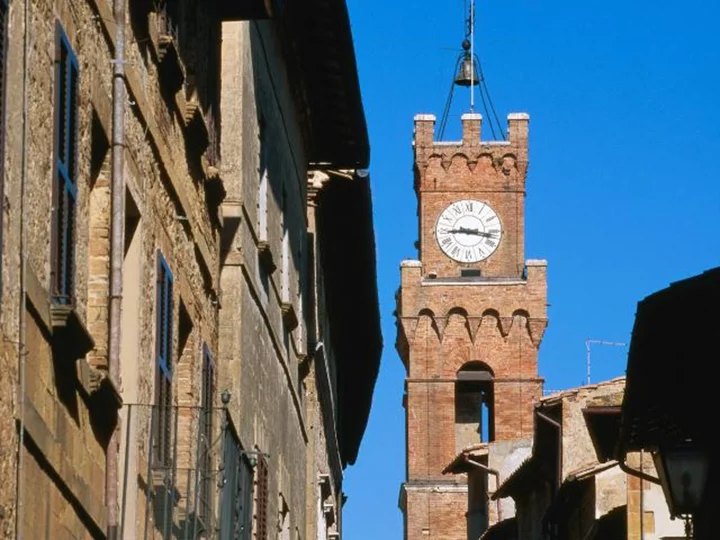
(471, 314)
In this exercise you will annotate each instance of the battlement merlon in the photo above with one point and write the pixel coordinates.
(517, 137)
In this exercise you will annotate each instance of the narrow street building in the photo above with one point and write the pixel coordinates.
(568, 488)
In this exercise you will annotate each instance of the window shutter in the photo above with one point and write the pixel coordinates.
(262, 499)
(65, 187)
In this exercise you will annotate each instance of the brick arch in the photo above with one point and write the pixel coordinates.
(520, 318)
(475, 365)
(428, 316)
(484, 163)
(434, 171)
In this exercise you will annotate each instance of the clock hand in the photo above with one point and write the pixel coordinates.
(477, 232)
(464, 230)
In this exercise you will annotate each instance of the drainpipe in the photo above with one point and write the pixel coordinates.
(21, 352)
(116, 255)
(639, 474)
(497, 480)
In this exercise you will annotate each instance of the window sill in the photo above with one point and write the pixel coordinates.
(59, 321)
(68, 331)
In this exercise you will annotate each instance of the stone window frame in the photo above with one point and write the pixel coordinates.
(65, 170)
(163, 426)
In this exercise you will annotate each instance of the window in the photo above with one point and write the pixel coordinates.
(474, 405)
(236, 499)
(163, 371)
(262, 207)
(206, 435)
(262, 499)
(65, 182)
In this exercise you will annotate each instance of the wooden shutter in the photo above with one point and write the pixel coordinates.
(65, 185)
(262, 499)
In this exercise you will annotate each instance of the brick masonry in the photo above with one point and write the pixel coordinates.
(446, 320)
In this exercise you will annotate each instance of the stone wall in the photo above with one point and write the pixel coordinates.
(66, 430)
(261, 316)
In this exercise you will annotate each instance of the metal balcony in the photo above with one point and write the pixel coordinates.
(184, 475)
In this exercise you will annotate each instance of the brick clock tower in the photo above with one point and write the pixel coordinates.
(471, 313)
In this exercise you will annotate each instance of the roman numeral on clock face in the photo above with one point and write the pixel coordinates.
(468, 231)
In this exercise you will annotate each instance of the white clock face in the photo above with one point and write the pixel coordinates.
(468, 231)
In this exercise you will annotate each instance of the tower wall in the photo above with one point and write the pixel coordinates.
(493, 316)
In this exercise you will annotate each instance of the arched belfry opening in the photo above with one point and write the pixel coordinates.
(474, 405)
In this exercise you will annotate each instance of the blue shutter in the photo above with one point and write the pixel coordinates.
(66, 150)
(164, 307)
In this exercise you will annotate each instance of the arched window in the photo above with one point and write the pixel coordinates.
(474, 405)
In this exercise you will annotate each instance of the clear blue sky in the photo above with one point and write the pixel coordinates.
(623, 188)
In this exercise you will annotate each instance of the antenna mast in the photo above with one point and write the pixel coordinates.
(589, 342)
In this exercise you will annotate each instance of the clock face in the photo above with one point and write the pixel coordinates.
(468, 231)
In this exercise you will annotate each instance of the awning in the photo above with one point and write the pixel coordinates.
(316, 38)
(347, 254)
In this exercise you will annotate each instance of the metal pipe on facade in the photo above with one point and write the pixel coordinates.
(639, 474)
(22, 307)
(497, 481)
(116, 254)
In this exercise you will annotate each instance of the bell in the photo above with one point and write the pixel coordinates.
(467, 76)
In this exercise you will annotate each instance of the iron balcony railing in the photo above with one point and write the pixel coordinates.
(184, 475)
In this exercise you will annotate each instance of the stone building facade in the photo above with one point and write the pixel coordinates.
(162, 307)
(568, 488)
(471, 315)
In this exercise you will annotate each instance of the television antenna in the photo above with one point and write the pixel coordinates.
(589, 342)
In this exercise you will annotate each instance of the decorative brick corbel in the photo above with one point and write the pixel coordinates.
(409, 326)
(474, 325)
(440, 324)
(537, 330)
(505, 324)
